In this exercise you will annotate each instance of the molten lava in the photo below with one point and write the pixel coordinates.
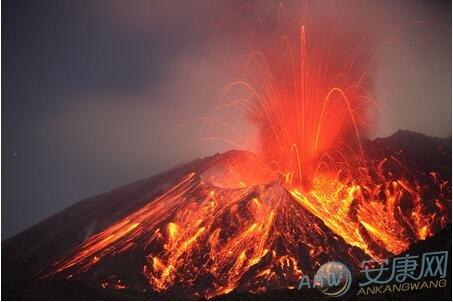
(310, 195)
(304, 110)
(198, 239)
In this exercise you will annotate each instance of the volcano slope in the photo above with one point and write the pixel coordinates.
(206, 229)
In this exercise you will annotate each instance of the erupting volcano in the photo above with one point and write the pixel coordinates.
(313, 190)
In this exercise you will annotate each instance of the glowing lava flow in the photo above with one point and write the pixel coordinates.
(371, 217)
(201, 240)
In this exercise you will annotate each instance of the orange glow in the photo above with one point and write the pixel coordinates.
(225, 234)
(307, 99)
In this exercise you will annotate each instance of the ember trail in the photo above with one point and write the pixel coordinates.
(311, 192)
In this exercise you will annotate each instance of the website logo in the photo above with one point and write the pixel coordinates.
(406, 273)
(333, 279)
(381, 276)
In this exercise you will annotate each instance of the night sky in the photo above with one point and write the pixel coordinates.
(97, 94)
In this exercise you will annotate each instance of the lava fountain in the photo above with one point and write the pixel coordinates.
(303, 111)
(307, 97)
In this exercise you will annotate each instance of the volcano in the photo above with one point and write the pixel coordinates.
(208, 228)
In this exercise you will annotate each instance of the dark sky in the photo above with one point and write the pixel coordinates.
(97, 94)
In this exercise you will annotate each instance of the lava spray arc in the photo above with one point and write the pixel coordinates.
(307, 98)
